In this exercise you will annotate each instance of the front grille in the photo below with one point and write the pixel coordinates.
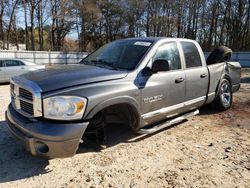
(27, 107)
(22, 100)
(26, 101)
(25, 94)
(26, 97)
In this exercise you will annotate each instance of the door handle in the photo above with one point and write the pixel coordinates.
(203, 75)
(179, 80)
(22, 67)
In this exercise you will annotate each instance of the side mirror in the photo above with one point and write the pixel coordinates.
(147, 71)
(160, 65)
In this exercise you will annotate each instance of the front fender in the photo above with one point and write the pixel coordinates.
(117, 100)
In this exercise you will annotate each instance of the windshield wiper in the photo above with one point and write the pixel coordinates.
(103, 64)
(84, 62)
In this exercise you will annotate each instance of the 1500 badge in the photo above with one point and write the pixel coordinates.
(153, 99)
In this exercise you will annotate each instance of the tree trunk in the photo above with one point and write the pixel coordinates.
(179, 18)
(223, 26)
(15, 31)
(40, 24)
(212, 23)
(10, 22)
(32, 15)
(27, 41)
(2, 23)
(53, 26)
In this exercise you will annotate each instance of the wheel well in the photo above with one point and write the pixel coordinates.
(228, 78)
(122, 113)
(224, 77)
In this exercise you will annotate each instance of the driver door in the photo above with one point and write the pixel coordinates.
(163, 93)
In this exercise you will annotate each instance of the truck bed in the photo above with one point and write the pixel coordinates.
(217, 71)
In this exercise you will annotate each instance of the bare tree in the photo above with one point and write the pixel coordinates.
(96, 22)
(11, 16)
(40, 23)
(62, 22)
(2, 8)
(27, 39)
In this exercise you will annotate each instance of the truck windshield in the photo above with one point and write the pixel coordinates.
(123, 54)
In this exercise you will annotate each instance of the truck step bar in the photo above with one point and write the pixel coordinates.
(167, 123)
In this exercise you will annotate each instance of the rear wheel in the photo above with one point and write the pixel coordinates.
(224, 97)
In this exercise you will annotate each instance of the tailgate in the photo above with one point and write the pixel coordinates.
(234, 70)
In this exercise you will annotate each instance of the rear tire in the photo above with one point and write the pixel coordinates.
(219, 54)
(224, 98)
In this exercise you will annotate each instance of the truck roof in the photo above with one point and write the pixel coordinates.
(148, 39)
(155, 39)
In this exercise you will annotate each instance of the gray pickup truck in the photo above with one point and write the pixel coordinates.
(138, 82)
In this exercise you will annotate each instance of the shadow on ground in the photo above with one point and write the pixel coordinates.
(15, 162)
(208, 110)
(117, 134)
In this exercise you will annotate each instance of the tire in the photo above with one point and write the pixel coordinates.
(224, 98)
(219, 54)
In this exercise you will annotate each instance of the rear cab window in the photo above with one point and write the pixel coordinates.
(191, 55)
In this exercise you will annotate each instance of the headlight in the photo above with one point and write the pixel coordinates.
(64, 107)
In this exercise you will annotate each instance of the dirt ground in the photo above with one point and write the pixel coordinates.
(209, 150)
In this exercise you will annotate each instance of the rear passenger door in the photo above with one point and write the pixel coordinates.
(197, 77)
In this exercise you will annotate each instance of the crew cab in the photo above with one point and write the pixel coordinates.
(145, 83)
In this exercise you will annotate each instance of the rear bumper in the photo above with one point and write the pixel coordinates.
(44, 138)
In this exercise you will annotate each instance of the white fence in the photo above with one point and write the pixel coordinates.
(46, 57)
(242, 57)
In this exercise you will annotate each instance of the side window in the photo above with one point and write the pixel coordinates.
(20, 63)
(1, 63)
(192, 55)
(170, 53)
(11, 63)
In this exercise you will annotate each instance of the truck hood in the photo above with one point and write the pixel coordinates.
(63, 76)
